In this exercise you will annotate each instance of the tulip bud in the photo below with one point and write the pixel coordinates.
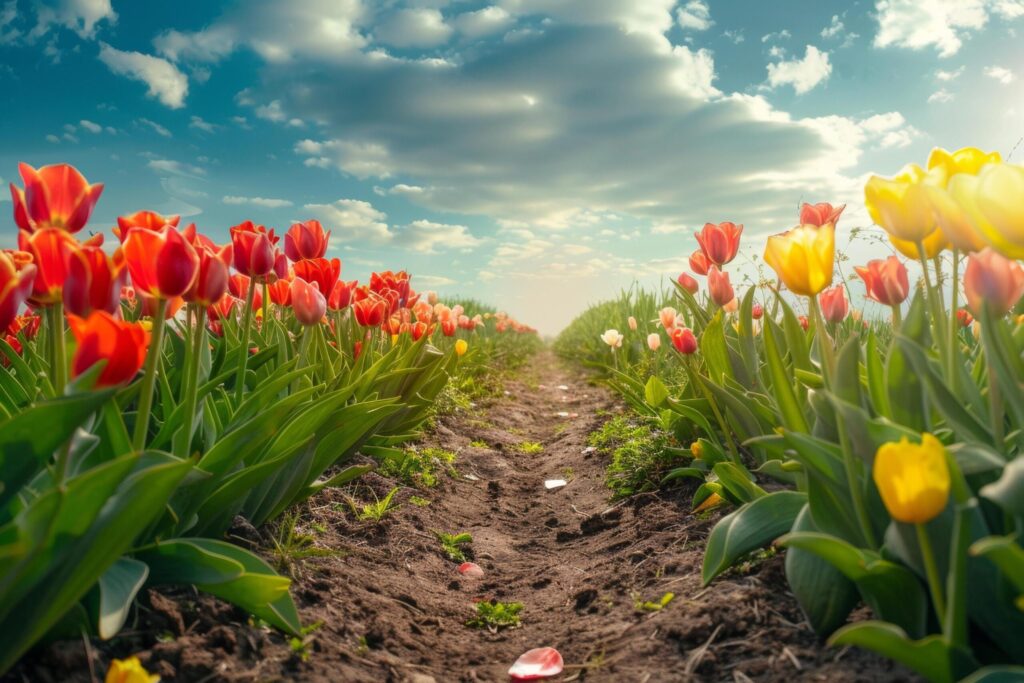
(667, 317)
(632, 323)
(306, 241)
(461, 346)
(612, 338)
(688, 283)
(211, 283)
(308, 303)
(101, 336)
(834, 305)
(253, 254)
(56, 196)
(16, 278)
(654, 341)
(912, 479)
(820, 214)
(803, 258)
(964, 317)
(162, 263)
(684, 340)
(757, 311)
(699, 263)
(719, 288)
(993, 281)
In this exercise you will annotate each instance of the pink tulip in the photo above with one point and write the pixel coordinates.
(834, 305)
(757, 311)
(992, 281)
(720, 242)
(699, 263)
(632, 323)
(688, 283)
(667, 316)
(308, 303)
(654, 341)
(820, 214)
(542, 662)
(719, 287)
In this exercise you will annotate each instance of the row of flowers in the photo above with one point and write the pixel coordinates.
(899, 440)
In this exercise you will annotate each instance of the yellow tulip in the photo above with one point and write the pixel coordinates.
(900, 204)
(129, 671)
(913, 479)
(933, 244)
(714, 500)
(461, 346)
(999, 198)
(969, 160)
(803, 257)
(697, 449)
(955, 208)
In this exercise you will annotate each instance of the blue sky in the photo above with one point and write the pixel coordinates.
(540, 154)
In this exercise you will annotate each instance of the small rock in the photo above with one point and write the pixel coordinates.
(563, 387)
(589, 449)
(554, 484)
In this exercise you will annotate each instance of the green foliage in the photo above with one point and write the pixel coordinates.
(639, 455)
(420, 467)
(642, 605)
(495, 615)
(452, 544)
(530, 447)
(377, 510)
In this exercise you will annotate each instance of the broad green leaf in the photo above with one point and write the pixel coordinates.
(655, 392)
(782, 385)
(932, 657)
(118, 587)
(1008, 491)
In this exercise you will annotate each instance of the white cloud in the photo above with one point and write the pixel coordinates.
(776, 36)
(946, 76)
(353, 220)
(90, 126)
(429, 237)
(199, 123)
(80, 16)
(944, 24)
(834, 28)
(178, 168)
(940, 95)
(166, 83)
(694, 15)
(413, 27)
(263, 202)
(160, 130)
(360, 159)
(52, 138)
(482, 22)
(803, 74)
(736, 36)
(999, 73)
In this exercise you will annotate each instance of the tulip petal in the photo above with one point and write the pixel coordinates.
(541, 662)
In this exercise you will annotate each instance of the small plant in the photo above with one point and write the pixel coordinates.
(450, 544)
(300, 645)
(419, 501)
(530, 447)
(639, 456)
(377, 510)
(291, 546)
(568, 473)
(420, 467)
(496, 615)
(479, 444)
(649, 606)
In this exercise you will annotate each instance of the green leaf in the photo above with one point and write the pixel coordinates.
(782, 385)
(655, 392)
(996, 674)
(117, 590)
(1006, 554)
(714, 349)
(737, 482)
(932, 657)
(752, 526)
(877, 389)
(1008, 491)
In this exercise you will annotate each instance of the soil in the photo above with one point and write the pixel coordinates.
(392, 607)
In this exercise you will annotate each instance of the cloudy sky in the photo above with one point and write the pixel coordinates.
(540, 154)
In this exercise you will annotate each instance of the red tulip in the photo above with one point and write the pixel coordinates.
(804, 323)
(101, 336)
(149, 306)
(820, 214)
(94, 281)
(321, 271)
(418, 330)
(280, 292)
(147, 220)
(964, 317)
(886, 280)
(51, 249)
(306, 241)
(688, 283)
(15, 344)
(211, 283)
(26, 325)
(254, 254)
(357, 349)
(699, 263)
(721, 242)
(834, 305)
(370, 312)
(16, 278)
(162, 264)
(757, 311)
(308, 303)
(719, 287)
(56, 196)
(448, 328)
(684, 340)
(238, 285)
(342, 294)
(992, 281)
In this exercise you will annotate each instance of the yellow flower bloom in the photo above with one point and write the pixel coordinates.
(933, 245)
(461, 346)
(714, 500)
(953, 202)
(967, 160)
(129, 671)
(697, 449)
(900, 204)
(999, 199)
(803, 257)
(913, 479)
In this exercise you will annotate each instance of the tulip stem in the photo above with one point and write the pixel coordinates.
(897, 318)
(954, 346)
(192, 379)
(931, 571)
(58, 359)
(243, 356)
(266, 302)
(149, 378)
(937, 310)
(722, 424)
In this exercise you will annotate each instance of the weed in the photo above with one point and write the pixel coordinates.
(568, 473)
(419, 501)
(648, 606)
(479, 444)
(292, 546)
(420, 467)
(450, 544)
(496, 615)
(639, 456)
(377, 510)
(300, 646)
(560, 429)
(530, 447)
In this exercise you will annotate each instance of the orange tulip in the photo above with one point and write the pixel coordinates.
(886, 280)
(101, 336)
(147, 220)
(688, 283)
(211, 282)
(834, 305)
(820, 214)
(16, 277)
(51, 249)
(306, 241)
(253, 249)
(280, 292)
(721, 242)
(370, 312)
(56, 196)
(992, 281)
(719, 287)
(699, 263)
(321, 271)
(94, 281)
(162, 264)
(308, 303)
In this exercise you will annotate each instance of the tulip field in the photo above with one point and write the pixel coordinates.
(310, 478)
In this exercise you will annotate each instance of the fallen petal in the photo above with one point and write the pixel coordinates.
(589, 449)
(541, 662)
(554, 484)
(562, 414)
(563, 387)
(471, 569)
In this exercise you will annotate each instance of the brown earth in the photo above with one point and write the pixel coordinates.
(393, 608)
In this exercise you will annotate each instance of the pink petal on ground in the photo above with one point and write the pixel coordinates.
(471, 569)
(541, 662)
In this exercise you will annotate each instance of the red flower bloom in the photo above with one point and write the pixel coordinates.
(56, 196)
(147, 220)
(321, 271)
(308, 303)
(16, 278)
(238, 285)
(834, 305)
(94, 281)
(719, 287)
(342, 294)
(50, 248)
(162, 264)
(27, 325)
(211, 281)
(15, 344)
(757, 311)
(820, 214)
(699, 263)
(804, 323)
(964, 317)
(306, 241)
(448, 328)
(370, 312)
(418, 330)
(253, 249)
(280, 292)
(688, 283)
(684, 340)
(886, 280)
(720, 243)
(101, 336)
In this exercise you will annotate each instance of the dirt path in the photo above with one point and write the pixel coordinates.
(393, 607)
